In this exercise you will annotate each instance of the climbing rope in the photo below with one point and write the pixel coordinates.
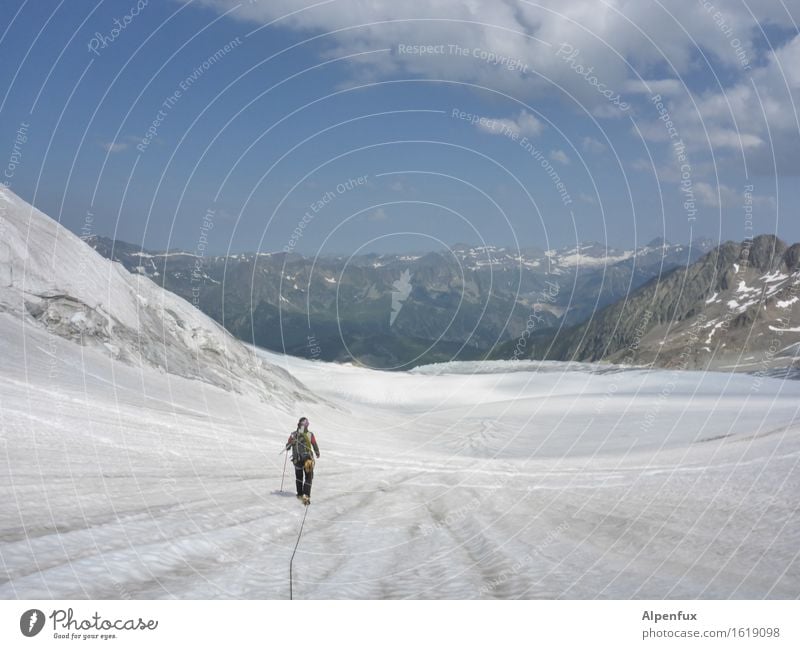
(291, 561)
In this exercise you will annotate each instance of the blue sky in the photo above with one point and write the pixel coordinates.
(462, 118)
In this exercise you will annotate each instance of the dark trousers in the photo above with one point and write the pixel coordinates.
(299, 474)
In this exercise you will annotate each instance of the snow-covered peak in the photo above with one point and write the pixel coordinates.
(588, 255)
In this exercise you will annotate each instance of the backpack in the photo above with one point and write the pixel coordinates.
(301, 447)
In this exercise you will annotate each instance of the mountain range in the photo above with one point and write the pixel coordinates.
(395, 311)
(736, 308)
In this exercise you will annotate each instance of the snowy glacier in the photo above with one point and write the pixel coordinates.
(138, 463)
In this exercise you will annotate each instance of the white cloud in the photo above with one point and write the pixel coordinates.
(609, 36)
(591, 145)
(755, 116)
(114, 147)
(710, 196)
(726, 197)
(734, 140)
(523, 124)
(122, 143)
(629, 46)
(559, 156)
(654, 86)
(378, 215)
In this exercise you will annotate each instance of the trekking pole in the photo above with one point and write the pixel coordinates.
(284, 468)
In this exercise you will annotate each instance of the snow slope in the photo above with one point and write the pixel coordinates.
(51, 278)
